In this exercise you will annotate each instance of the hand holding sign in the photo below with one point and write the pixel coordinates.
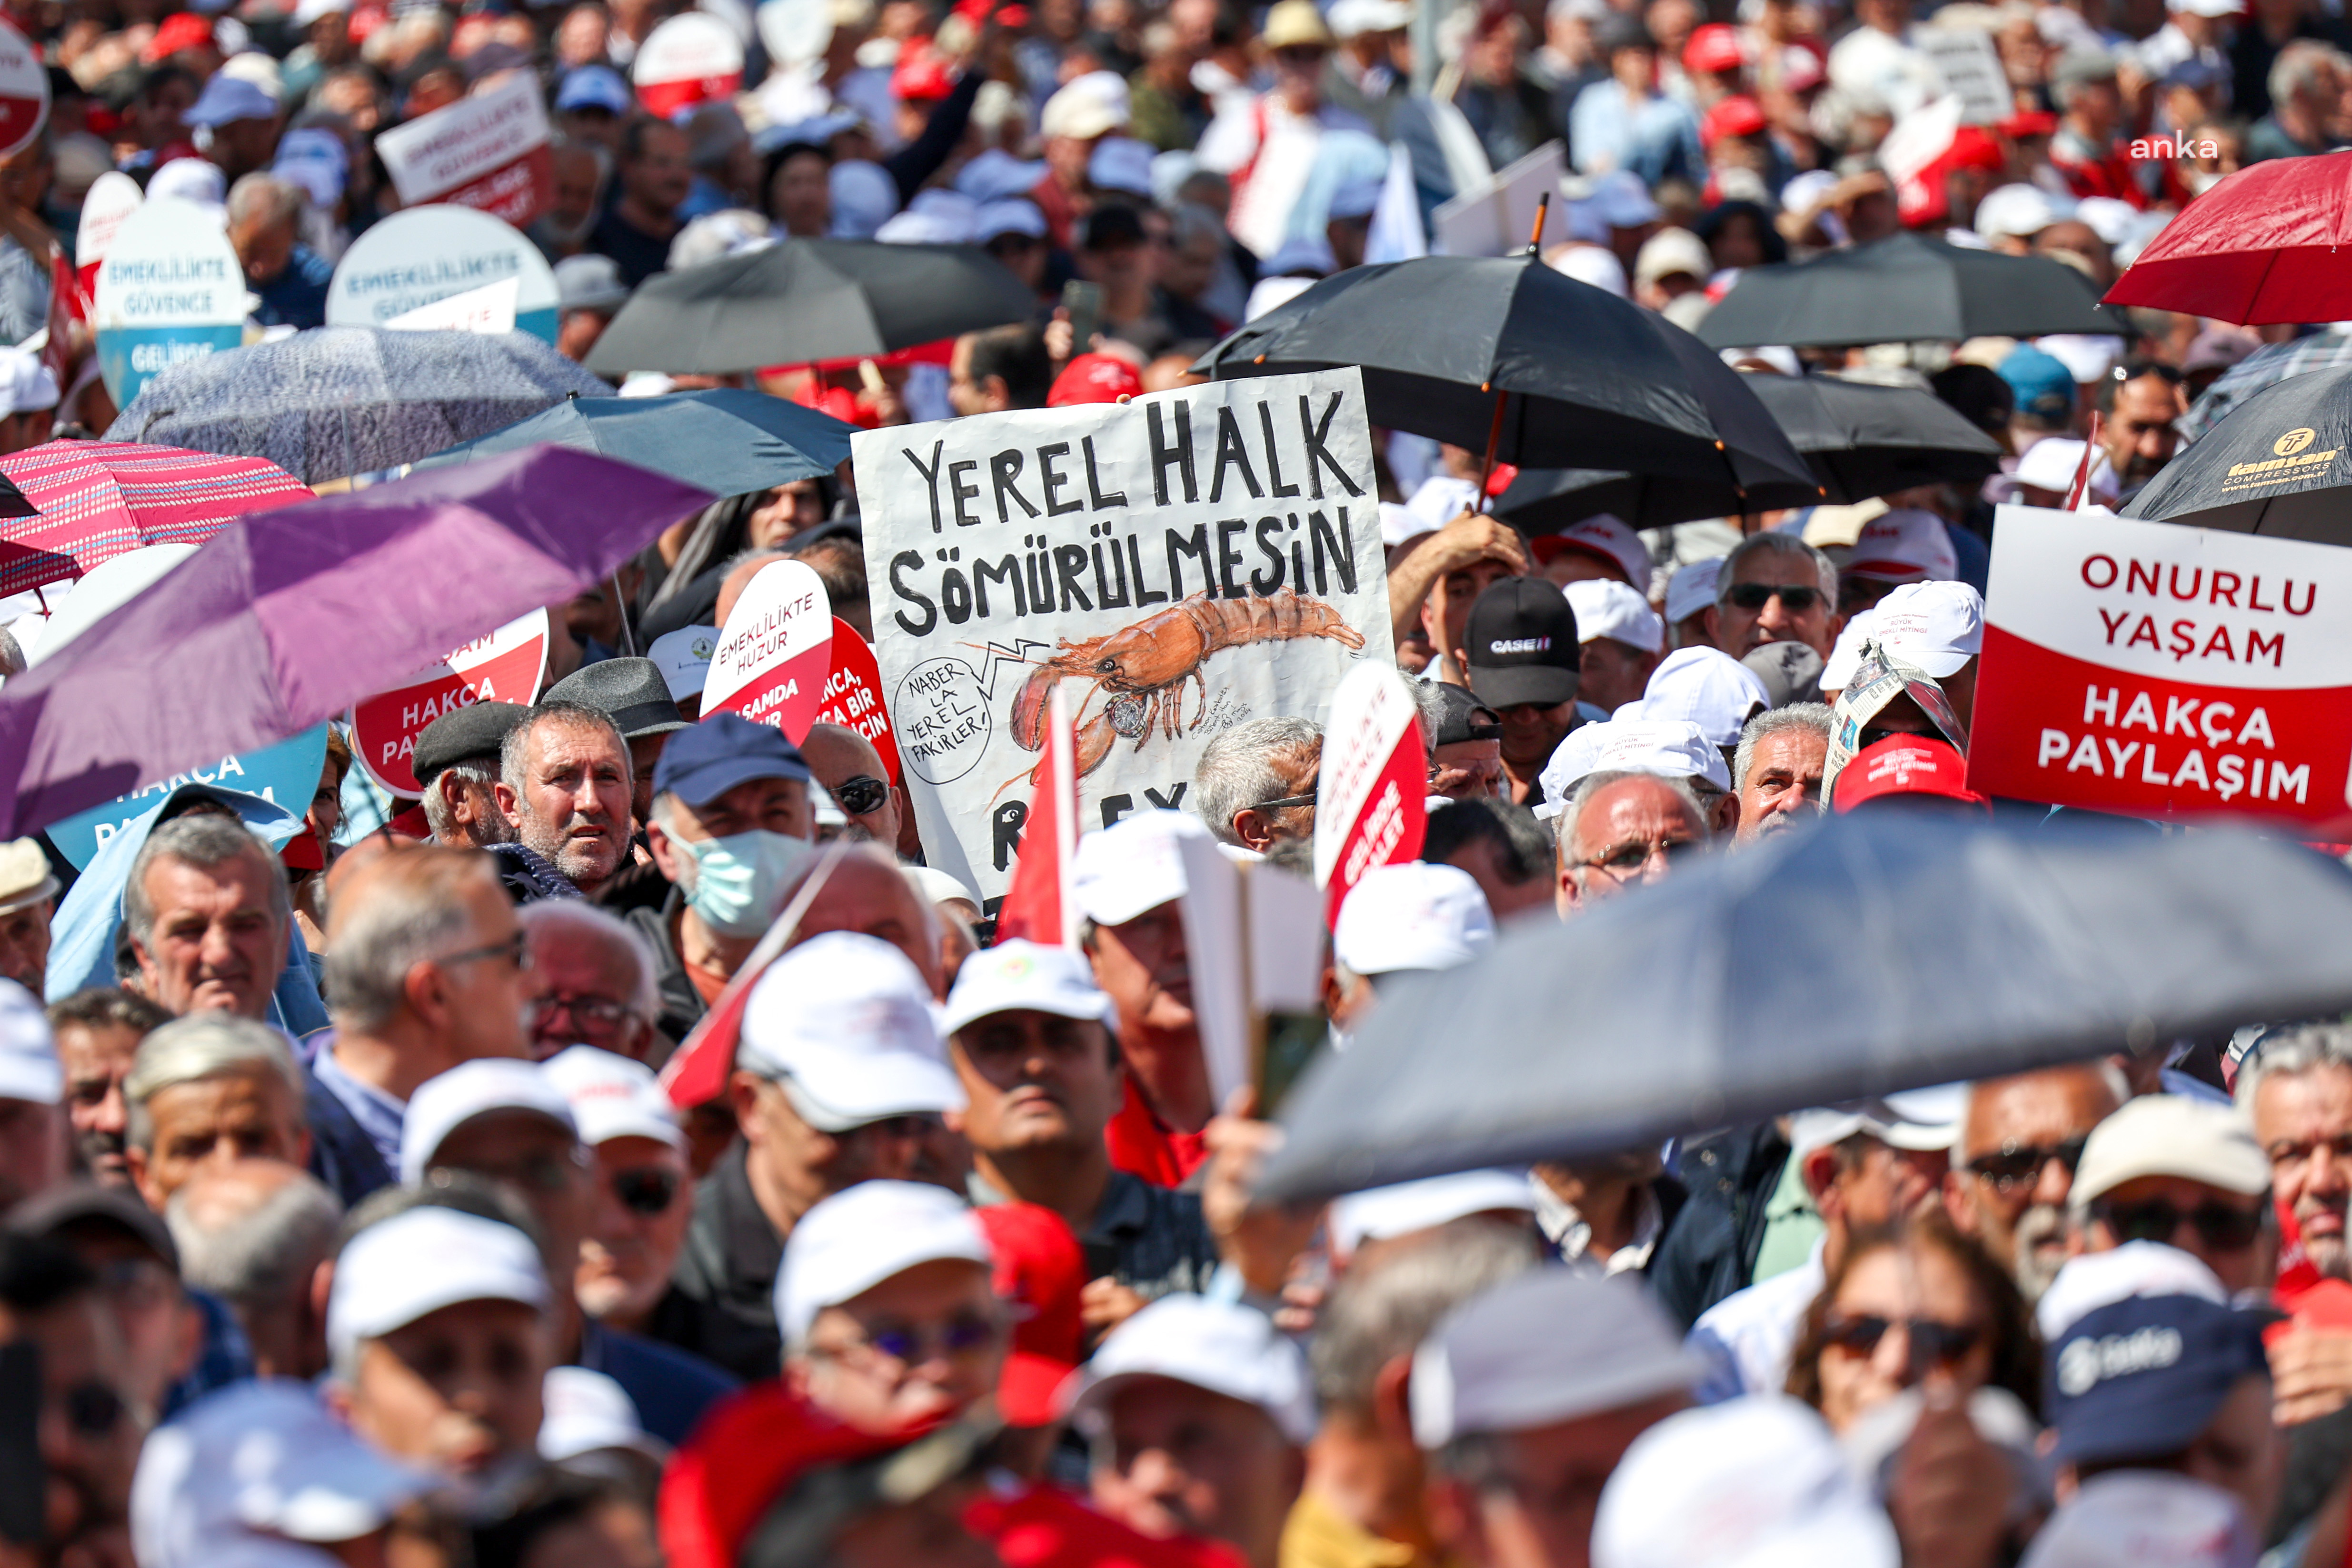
(505, 666)
(776, 651)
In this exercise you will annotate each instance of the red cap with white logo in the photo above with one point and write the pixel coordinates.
(1905, 765)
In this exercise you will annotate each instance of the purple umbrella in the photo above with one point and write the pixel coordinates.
(290, 616)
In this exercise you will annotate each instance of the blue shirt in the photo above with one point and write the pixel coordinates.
(297, 297)
(378, 1115)
(1654, 136)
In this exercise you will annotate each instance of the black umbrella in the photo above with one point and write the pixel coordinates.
(1862, 441)
(727, 441)
(1867, 955)
(2280, 463)
(809, 299)
(1591, 380)
(1906, 289)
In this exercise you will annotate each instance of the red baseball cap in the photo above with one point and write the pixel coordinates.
(1714, 48)
(1095, 378)
(1040, 1269)
(2029, 122)
(920, 76)
(1734, 116)
(181, 30)
(1902, 765)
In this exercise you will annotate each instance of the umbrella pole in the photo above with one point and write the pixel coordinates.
(1503, 399)
(621, 604)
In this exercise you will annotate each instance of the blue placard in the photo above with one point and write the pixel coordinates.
(287, 774)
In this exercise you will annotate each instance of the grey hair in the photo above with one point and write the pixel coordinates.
(1236, 770)
(1384, 1307)
(2110, 1076)
(1592, 784)
(2298, 66)
(2303, 1048)
(202, 840)
(1774, 544)
(198, 1047)
(1813, 715)
(265, 195)
(264, 1257)
(12, 654)
(483, 771)
(399, 924)
(514, 770)
(601, 925)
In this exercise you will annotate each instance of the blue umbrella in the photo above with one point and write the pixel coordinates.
(338, 401)
(727, 441)
(1865, 957)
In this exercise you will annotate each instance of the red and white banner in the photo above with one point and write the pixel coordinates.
(1372, 807)
(1041, 904)
(693, 58)
(2155, 670)
(505, 666)
(23, 91)
(853, 695)
(489, 152)
(113, 197)
(775, 652)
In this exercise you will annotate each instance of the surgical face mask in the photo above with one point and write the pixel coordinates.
(735, 881)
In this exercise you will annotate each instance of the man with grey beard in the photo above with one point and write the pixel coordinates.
(2013, 1164)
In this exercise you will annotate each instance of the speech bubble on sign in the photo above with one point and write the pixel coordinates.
(776, 651)
(505, 666)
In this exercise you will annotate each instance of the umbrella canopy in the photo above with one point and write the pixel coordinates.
(2281, 464)
(1901, 951)
(1861, 441)
(809, 299)
(2266, 366)
(293, 615)
(1593, 381)
(338, 401)
(724, 440)
(1904, 288)
(99, 499)
(2263, 245)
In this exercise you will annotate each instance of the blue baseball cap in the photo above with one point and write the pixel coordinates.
(2141, 1378)
(2041, 384)
(703, 762)
(594, 87)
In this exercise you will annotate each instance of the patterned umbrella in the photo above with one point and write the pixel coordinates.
(338, 401)
(98, 500)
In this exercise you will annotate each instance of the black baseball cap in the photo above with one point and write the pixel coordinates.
(1521, 644)
(1455, 716)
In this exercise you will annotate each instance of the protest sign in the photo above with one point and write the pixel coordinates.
(1971, 69)
(505, 666)
(1496, 218)
(853, 695)
(489, 308)
(1194, 559)
(1372, 807)
(691, 58)
(489, 152)
(2156, 670)
(287, 774)
(425, 255)
(23, 91)
(1256, 949)
(775, 652)
(171, 288)
(113, 197)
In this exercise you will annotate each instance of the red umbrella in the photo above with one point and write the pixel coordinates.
(98, 499)
(2271, 243)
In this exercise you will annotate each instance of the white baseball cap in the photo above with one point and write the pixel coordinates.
(1605, 538)
(1594, 264)
(28, 1052)
(1919, 1119)
(1753, 1481)
(2091, 1280)
(1708, 687)
(421, 1260)
(582, 1411)
(2087, 356)
(1399, 522)
(1404, 1207)
(1440, 498)
(1692, 589)
(1353, 18)
(1935, 627)
(1670, 748)
(1672, 250)
(857, 1238)
(28, 384)
(684, 658)
(1133, 866)
(1023, 975)
(1501, 1362)
(1092, 105)
(441, 1105)
(1413, 915)
(1845, 654)
(612, 1097)
(2171, 1135)
(2206, 8)
(1221, 1346)
(845, 1026)
(1905, 545)
(2050, 464)
(1605, 608)
(2146, 1519)
(2019, 211)
(939, 886)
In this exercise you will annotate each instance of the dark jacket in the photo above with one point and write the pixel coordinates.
(721, 1302)
(1709, 1249)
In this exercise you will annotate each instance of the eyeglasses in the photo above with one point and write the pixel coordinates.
(2015, 1165)
(600, 1010)
(2218, 1226)
(1287, 802)
(862, 796)
(648, 1190)
(965, 1334)
(1628, 859)
(515, 950)
(1756, 595)
(534, 1173)
(1933, 1342)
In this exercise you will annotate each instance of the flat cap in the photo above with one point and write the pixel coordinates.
(632, 691)
(477, 730)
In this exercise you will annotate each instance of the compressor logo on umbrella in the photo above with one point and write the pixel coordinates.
(2295, 441)
(2293, 459)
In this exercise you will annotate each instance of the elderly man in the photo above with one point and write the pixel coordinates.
(2297, 1088)
(426, 967)
(1775, 587)
(1620, 828)
(1621, 640)
(1777, 770)
(28, 896)
(868, 892)
(597, 982)
(456, 762)
(265, 214)
(2185, 1172)
(644, 1191)
(206, 1091)
(98, 1034)
(1256, 782)
(564, 778)
(1463, 742)
(1199, 1412)
(851, 771)
(2012, 1176)
(838, 1072)
(208, 915)
(632, 693)
(256, 1234)
(1523, 660)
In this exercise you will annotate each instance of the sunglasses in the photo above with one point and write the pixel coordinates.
(2218, 1226)
(649, 1191)
(961, 1335)
(861, 796)
(1756, 595)
(1629, 858)
(2015, 1165)
(1933, 1342)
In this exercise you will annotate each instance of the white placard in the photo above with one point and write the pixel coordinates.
(426, 255)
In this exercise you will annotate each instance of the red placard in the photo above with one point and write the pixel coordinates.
(505, 666)
(690, 58)
(23, 91)
(489, 152)
(774, 658)
(1372, 808)
(852, 696)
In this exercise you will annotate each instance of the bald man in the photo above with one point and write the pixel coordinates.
(851, 772)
